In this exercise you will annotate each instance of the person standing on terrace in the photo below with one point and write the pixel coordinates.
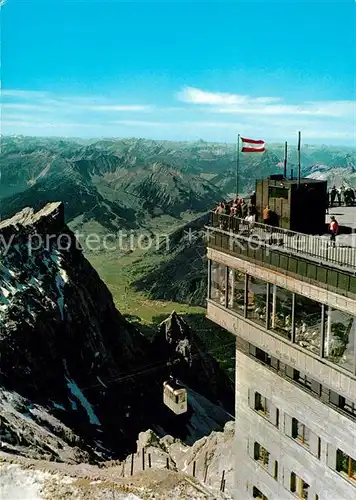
(334, 229)
(220, 208)
(267, 216)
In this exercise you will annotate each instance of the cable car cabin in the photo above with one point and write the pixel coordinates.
(175, 397)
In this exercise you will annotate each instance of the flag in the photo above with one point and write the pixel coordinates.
(252, 146)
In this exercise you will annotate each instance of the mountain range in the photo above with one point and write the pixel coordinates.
(128, 183)
(148, 186)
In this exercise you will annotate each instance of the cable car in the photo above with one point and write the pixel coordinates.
(175, 397)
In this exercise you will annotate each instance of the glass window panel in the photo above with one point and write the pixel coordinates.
(346, 465)
(261, 454)
(236, 291)
(280, 307)
(308, 315)
(340, 331)
(303, 434)
(304, 489)
(257, 300)
(256, 493)
(352, 469)
(350, 406)
(218, 282)
(299, 486)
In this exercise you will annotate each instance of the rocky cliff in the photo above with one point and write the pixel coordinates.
(77, 379)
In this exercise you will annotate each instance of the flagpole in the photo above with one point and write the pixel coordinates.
(299, 165)
(237, 164)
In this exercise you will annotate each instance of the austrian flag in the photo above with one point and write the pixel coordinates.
(252, 146)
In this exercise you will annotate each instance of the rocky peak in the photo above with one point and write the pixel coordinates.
(50, 219)
(62, 340)
(68, 354)
(177, 335)
(190, 362)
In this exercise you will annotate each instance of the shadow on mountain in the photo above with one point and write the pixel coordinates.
(183, 266)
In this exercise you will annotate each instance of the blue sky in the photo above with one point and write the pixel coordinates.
(180, 70)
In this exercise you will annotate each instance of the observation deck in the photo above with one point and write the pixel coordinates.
(307, 257)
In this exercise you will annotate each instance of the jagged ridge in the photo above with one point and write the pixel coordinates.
(67, 352)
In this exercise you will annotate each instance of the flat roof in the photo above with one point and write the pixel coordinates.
(345, 216)
(287, 180)
(316, 248)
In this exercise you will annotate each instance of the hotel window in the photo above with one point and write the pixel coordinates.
(280, 308)
(257, 300)
(349, 406)
(346, 465)
(303, 379)
(264, 357)
(300, 432)
(236, 291)
(260, 355)
(218, 282)
(340, 338)
(346, 405)
(298, 486)
(256, 493)
(261, 455)
(262, 404)
(308, 323)
(307, 438)
(264, 407)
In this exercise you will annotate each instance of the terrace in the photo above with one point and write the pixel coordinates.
(308, 257)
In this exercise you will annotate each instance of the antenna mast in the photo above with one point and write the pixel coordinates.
(285, 160)
(299, 166)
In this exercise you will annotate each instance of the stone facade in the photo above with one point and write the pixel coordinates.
(271, 409)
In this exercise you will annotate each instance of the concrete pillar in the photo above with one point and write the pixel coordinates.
(209, 279)
(274, 306)
(328, 331)
(232, 287)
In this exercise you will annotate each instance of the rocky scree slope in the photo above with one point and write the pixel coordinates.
(77, 379)
(54, 481)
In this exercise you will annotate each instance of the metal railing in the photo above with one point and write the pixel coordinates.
(314, 247)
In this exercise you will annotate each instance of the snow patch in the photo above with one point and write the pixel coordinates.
(58, 261)
(60, 299)
(93, 419)
(74, 404)
(64, 275)
(102, 383)
(58, 406)
(26, 484)
(16, 484)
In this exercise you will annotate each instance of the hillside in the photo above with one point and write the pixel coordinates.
(58, 318)
(183, 265)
